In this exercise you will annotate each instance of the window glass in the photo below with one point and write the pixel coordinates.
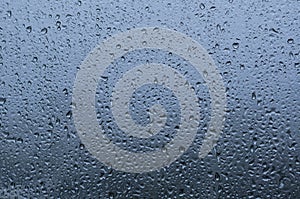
(149, 99)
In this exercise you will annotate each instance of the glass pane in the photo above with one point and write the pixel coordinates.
(149, 99)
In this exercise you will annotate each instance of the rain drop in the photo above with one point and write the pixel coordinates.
(29, 29)
(2, 100)
(290, 41)
(235, 45)
(202, 6)
(44, 31)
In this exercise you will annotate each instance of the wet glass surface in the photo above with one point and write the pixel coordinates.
(254, 46)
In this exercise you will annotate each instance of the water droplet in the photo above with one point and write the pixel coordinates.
(65, 91)
(213, 8)
(202, 6)
(181, 149)
(9, 13)
(253, 95)
(191, 118)
(290, 41)
(104, 77)
(44, 31)
(69, 114)
(35, 59)
(2, 100)
(235, 45)
(156, 29)
(205, 73)
(29, 29)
